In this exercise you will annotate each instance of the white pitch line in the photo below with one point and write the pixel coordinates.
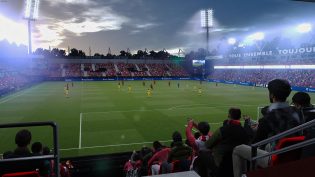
(171, 108)
(112, 145)
(126, 144)
(12, 97)
(9, 98)
(80, 131)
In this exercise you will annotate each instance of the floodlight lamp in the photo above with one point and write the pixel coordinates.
(304, 28)
(206, 17)
(27, 12)
(231, 41)
(257, 36)
(31, 9)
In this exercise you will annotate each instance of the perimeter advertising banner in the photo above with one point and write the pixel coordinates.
(291, 51)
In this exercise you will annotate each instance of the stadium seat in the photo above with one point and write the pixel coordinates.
(22, 174)
(287, 156)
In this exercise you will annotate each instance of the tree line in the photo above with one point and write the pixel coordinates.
(75, 53)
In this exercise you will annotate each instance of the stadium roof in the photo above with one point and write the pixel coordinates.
(305, 0)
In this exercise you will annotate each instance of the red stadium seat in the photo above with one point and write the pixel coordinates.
(287, 156)
(22, 174)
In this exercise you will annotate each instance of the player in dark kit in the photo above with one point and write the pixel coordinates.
(151, 86)
(154, 82)
(169, 83)
(143, 83)
(178, 85)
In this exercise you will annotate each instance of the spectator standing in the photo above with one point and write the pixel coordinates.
(279, 117)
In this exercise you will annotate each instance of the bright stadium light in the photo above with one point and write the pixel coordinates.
(231, 41)
(206, 17)
(31, 9)
(31, 14)
(304, 28)
(257, 36)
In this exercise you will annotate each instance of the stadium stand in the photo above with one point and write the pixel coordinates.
(109, 70)
(303, 78)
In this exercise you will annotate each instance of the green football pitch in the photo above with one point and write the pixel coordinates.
(99, 118)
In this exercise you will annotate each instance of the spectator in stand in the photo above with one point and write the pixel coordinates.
(223, 141)
(197, 143)
(160, 156)
(146, 153)
(22, 140)
(180, 153)
(37, 149)
(302, 101)
(279, 117)
(46, 150)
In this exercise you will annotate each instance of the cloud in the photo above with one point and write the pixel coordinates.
(228, 30)
(95, 20)
(51, 32)
(146, 25)
(135, 31)
(57, 2)
(48, 35)
(12, 31)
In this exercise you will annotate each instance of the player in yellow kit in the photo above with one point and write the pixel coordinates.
(199, 91)
(129, 88)
(149, 92)
(119, 86)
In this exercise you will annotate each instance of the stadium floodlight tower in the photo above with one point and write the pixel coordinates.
(207, 22)
(30, 14)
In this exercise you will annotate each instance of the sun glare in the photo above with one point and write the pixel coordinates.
(13, 32)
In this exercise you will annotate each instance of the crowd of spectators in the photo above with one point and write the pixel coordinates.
(227, 151)
(73, 70)
(157, 69)
(177, 70)
(302, 78)
(12, 81)
(266, 60)
(45, 168)
(114, 70)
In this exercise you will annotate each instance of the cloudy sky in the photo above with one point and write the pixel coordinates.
(151, 24)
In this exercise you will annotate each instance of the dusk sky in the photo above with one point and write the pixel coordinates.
(151, 24)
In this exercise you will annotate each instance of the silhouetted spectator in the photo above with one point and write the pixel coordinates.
(37, 148)
(223, 141)
(46, 150)
(180, 153)
(302, 101)
(22, 140)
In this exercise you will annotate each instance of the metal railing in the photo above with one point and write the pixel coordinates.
(54, 156)
(279, 136)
